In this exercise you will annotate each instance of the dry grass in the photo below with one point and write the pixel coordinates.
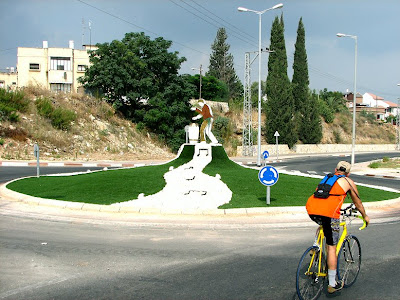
(97, 134)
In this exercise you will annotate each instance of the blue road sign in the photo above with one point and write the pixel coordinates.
(265, 154)
(268, 176)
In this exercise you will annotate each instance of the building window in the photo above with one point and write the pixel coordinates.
(60, 63)
(61, 87)
(34, 67)
(81, 68)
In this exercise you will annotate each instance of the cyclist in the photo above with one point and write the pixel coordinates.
(326, 212)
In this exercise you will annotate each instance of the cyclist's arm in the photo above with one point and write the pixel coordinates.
(357, 201)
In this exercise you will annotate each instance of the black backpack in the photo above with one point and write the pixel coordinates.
(325, 186)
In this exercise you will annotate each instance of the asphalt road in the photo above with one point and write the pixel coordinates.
(49, 259)
(10, 173)
(321, 164)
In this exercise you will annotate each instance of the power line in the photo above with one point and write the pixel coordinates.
(137, 26)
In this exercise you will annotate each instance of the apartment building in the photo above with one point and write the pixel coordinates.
(57, 69)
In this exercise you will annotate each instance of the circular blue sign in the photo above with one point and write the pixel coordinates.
(265, 154)
(268, 176)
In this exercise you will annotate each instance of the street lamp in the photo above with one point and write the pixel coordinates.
(259, 13)
(398, 122)
(200, 70)
(353, 146)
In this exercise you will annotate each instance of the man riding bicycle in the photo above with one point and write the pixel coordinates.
(326, 212)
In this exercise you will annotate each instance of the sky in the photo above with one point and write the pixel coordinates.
(192, 26)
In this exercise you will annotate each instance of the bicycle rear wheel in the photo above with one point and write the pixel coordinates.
(349, 260)
(310, 282)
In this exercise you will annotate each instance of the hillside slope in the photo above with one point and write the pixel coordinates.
(98, 133)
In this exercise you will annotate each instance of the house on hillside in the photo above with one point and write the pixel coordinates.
(378, 104)
(372, 104)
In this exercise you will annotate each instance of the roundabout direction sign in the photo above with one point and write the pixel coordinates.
(268, 176)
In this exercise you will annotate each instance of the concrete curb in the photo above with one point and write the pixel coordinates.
(116, 208)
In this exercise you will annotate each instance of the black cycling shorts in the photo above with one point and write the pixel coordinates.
(331, 227)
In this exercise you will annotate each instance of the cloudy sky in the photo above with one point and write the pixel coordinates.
(192, 26)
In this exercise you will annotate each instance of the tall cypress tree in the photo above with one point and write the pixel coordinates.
(300, 80)
(280, 105)
(306, 106)
(221, 64)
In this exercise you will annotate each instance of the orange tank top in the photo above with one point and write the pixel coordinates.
(329, 207)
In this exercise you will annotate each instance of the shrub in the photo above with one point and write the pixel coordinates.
(14, 99)
(326, 112)
(62, 118)
(386, 159)
(221, 129)
(374, 165)
(44, 107)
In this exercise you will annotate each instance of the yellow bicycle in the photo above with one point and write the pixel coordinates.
(312, 269)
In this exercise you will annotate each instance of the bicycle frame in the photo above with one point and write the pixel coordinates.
(342, 237)
(319, 242)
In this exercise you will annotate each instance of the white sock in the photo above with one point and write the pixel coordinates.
(332, 277)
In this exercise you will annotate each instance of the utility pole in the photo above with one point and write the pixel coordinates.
(247, 144)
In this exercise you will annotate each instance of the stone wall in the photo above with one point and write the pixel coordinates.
(320, 148)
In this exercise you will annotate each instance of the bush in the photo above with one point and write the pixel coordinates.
(386, 159)
(44, 107)
(374, 165)
(14, 99)
(62, 118)
(10, 103)
(326, 112)
(221, 129)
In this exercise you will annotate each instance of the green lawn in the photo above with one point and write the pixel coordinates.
(107, 187)
(290, 190)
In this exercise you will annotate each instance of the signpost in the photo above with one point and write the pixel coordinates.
(276, 135)
(268, 176)
(36, 153)
(265, 155)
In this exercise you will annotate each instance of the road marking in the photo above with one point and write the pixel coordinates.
(35, 286)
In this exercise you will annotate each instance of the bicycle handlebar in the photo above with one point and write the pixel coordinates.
(350, 211)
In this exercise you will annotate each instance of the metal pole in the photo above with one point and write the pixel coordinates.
(268, 195)
(200, 79)
(354, 105)
(259, 93)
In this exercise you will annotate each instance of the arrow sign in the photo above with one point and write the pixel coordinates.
(268, 176)
(265, 154)
(276, 135)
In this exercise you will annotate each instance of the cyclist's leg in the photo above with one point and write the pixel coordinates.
(331, 230)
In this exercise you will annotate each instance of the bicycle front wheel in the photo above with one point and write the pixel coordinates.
(349, 260)
(309, 277)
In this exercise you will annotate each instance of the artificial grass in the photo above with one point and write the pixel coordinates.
(114, 186)
(104, 187)
(290, 190)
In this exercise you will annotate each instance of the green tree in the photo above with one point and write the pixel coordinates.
(306, 106)
(300, 80)
(211, 87)
(280, 105)
(310, 127)
(222, 66)
(139, 77)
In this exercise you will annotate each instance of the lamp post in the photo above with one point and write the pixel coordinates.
(353, 146)
(259, 13)
(200, 70)
(398, 122)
